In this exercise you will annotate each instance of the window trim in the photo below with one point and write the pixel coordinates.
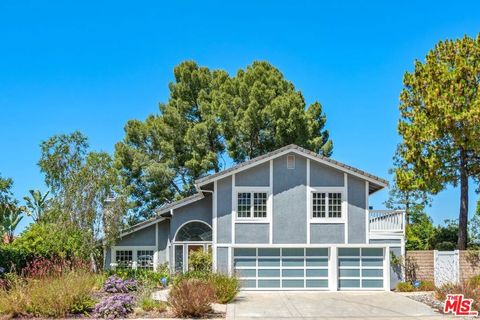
(134, 249)
(327, 219)
(252, 190)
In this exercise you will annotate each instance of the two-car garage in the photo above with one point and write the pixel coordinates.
(311, 268)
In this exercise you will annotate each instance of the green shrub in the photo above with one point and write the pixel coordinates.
(13, 259)
(199, 275)
(148, 304)
(191, 298)
(426, 286)
(145, 277)
(200, 260)
(405, 287)
(225, 287)
(474, 281)
(82, 304)
(49, 241)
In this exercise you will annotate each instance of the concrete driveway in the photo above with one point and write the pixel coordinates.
(327, 305)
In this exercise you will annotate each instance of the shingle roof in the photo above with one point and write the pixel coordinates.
(292, 147)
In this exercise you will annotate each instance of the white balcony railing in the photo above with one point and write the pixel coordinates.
(385, 221)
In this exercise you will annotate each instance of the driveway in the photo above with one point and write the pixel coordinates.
(327, 305)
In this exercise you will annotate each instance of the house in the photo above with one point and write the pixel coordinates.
(288, 220)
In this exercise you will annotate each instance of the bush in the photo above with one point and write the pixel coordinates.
(116, 284)
(13, 259)
(426, 286)
(191, 298)
(48, 240)
(82, 304)
(200, 261)
(199, 275)
(148, 304)
(225, 287)
(469, 289)
(405, 287)
(47, 297)
(116, 306)
(145, 277)
(52, 267)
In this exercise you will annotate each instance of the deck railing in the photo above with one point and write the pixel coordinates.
(386, 221)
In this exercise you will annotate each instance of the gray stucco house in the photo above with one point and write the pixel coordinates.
(287, 220)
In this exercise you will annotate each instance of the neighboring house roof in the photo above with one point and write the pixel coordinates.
(378, 183)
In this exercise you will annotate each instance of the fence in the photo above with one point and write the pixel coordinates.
(442, 267)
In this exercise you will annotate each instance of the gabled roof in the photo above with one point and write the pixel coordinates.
(377, 183)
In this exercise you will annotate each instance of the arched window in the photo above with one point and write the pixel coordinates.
(194, 231)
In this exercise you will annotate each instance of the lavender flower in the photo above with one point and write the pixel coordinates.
(116, 284)
(115, 306)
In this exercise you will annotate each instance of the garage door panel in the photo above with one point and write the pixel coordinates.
(317, 262)
(360, 268)
(245, 262)
(289, 262)
(317, 284)
(269, 283)
(289, 268)
(311, 273)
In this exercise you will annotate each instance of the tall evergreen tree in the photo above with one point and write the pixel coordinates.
(262, 111)
(440, 122)
(207, 114)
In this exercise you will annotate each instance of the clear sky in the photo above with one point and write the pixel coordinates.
(93, 65)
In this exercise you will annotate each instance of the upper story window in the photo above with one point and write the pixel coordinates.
(327, 205)
(252, 205)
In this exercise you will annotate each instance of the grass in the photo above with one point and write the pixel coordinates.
(149, 305)
(469, 288)
(48, 297)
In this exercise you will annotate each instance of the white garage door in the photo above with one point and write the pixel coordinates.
(360, 268)
(282, 268)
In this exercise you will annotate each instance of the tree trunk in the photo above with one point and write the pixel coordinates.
(463, 215)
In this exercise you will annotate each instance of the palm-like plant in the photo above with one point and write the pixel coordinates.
(36, 204)
(10, 217)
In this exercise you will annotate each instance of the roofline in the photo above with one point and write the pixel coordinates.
(158, 218)
(141, 225)
(298, 150)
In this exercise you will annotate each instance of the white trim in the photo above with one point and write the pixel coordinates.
(386, 269)
(214, 227)
(270, 204)
(183, 224)
(345, 214)
(134, 249)
(294, 150)
(367, 213)
(234, 209)
(135, 229)
(198, 196)
(333, 270)
(155, 254)
(302, 245)
(326, 219)
(253, 190)
(309, 201)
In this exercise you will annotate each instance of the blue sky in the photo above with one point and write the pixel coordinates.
(91, 66)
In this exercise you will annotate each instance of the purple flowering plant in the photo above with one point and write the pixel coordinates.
(115, 306)
(115, 284)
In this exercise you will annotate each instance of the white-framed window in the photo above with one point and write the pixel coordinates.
(252, 204)
(124, 258)
(134, 257)
(327, 205)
